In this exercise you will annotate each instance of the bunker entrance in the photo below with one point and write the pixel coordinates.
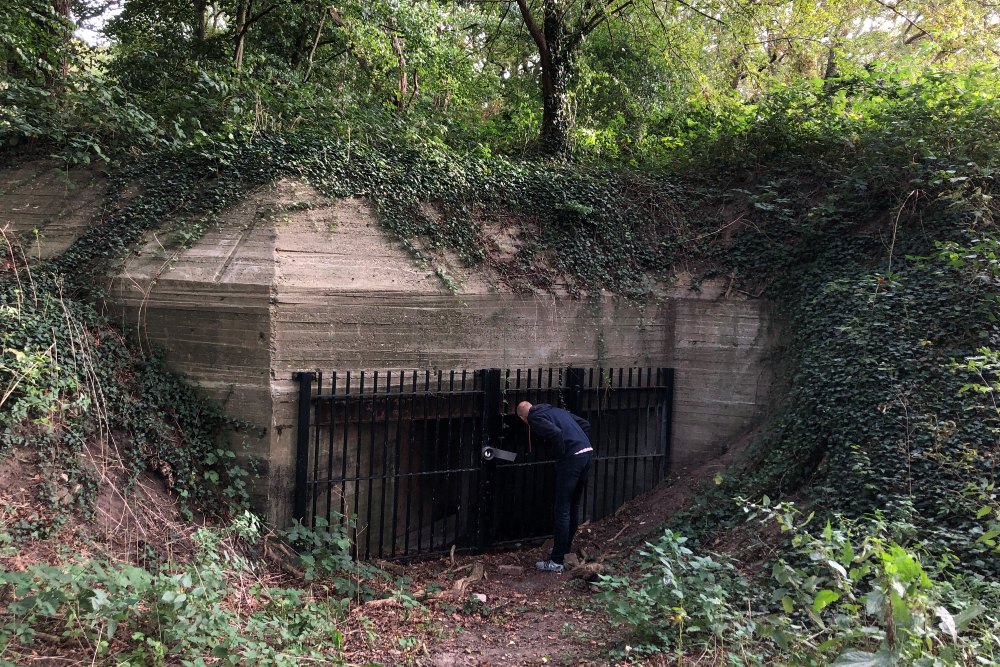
(419, 462)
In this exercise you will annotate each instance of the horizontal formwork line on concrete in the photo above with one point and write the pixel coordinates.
(335, 302)
(706, 408)
(751, 321)
(188, 294)
(476, 302)
(700, 409)
(717, 340)
(714, 338)
(250, 338)
(692, 413)
(689, 364)
(156, 309)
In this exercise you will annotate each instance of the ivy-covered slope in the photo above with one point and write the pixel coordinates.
(871, 225)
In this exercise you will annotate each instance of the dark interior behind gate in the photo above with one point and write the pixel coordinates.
(401, 453)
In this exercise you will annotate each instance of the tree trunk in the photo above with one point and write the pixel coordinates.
(558, 68)
(242, 18)
(61, 45)
(200, 7)
(557, 50)
(558, 114)
(400, 96)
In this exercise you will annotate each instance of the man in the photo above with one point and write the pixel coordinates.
(568, 436)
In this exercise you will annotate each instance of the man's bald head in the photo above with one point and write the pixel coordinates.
(522, 410)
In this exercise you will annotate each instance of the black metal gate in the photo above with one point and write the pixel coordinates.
(420, 459)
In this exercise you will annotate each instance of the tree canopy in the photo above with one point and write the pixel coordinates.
(600, 78)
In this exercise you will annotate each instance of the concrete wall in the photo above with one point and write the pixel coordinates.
(48, 209)
(290, 281)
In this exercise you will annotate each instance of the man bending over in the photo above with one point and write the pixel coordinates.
(568, 436)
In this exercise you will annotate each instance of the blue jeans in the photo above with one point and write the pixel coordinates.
(571, 480)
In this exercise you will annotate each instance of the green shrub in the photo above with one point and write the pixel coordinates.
(679, 598)
(857, 595)
(185, 613)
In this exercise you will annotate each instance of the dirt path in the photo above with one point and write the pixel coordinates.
(528, 617)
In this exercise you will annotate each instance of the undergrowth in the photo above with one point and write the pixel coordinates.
(77, 396)
(854, 593)
(221, 606)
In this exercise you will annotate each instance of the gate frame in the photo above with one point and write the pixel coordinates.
(570, 390)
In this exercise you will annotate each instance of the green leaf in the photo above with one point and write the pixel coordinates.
(787, 605)
(858, 658)
(824, 598)
(967, 615)
(983, 511)
(988, 537)
(875, 602)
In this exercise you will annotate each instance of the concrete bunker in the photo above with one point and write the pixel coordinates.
(290, 281)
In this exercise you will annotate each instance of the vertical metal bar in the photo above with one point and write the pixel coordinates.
(386, 420)
(604, 433)
(618, 443)
(668, 420)
(424, 465)
(458, 486)
(413, 456)
(436, 483)
(492, 425)
(449, 454)
(357, 462)
(343, 458)
(525, 476)
(649, 476)
(299, 503)
(573, 389)
(446, 496)
(633, 410)
(370, 475)
(647, 440)
(331, 436)
(396, 477)
(314, 483)
(588, 415)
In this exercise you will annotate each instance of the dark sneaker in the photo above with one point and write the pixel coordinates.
(549, 566)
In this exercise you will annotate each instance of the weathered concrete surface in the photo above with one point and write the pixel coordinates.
(209, 308)
(290, 281)
(48, 209)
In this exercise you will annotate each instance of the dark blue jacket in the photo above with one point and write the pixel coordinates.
(559, 429)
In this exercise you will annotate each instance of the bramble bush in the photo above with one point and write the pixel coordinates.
(851, 596)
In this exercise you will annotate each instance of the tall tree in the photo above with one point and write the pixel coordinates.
(558, 28)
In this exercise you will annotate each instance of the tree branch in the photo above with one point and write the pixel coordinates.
(600, 16)
(536, 34)
(312, 52)
(254, 19)
(894, 10)
(698, 11)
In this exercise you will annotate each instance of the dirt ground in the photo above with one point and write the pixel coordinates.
(477, 611)
(529, 617)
